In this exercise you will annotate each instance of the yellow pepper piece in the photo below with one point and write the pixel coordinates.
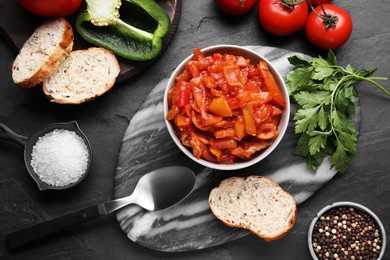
(219, 106)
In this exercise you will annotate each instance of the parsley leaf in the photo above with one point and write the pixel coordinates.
(300, 78)
(326, 95)
(322, 119)
(317, 143)
(302, 148)
(322, 69)
(306, 120)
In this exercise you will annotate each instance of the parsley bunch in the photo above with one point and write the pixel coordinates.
(326, 94)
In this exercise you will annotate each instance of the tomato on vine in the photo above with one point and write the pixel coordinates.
(328, 26)
(235, 7)
(282, 17)
(318, 2)
(51, 8)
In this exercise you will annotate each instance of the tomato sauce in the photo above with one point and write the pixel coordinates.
(224, 108)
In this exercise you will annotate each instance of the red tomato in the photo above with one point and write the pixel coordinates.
(51, 8)
(280, 20)
(318, 2)
(235, 7)
(329, 37)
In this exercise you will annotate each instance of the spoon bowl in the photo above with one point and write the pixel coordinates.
(161, 188)
(156, 190)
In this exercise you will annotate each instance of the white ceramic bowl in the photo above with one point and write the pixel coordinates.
(347, 204)
(255, 58)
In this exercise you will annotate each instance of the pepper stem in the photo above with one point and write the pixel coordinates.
(132, 32)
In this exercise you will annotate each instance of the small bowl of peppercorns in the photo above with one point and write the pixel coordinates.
(346, 230)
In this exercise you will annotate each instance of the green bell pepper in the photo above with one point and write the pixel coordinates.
(136, 35)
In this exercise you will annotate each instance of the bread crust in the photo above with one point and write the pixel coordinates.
(75, 101)
(61, 51)
(269, 238)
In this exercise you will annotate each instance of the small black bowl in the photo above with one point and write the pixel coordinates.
(347, 204)
(71, 126)
(29, 142)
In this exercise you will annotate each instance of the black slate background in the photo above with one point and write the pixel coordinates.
(105, 119)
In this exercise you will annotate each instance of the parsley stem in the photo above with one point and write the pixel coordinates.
(369, 79)
(333, 108)
(322, 132)
(378, 78)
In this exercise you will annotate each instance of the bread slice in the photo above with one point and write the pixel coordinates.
(255, 203)
(40, 55)
(81, 77)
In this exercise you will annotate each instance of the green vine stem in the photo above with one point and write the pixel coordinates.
(290, 4)
(329, 20)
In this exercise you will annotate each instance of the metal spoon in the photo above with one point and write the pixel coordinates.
(156, 190)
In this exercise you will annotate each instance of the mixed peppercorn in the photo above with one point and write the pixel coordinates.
(346, 233)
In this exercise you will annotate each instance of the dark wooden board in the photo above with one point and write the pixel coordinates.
(16, 25)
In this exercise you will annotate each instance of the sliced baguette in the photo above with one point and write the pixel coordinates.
(255, 203)
(40, 55)
(82, 76)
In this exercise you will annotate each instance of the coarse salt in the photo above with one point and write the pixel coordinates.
(60, 157)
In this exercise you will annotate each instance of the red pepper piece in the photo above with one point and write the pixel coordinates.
(270, 84)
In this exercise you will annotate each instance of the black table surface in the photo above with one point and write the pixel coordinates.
(104, 121)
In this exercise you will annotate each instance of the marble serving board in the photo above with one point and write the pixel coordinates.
(190, 225)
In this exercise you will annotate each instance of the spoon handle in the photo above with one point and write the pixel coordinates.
(113, 205)
(42, 230)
